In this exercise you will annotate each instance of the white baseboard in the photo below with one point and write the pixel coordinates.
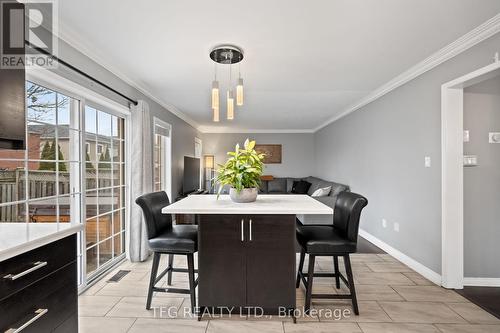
(482, 282)
(410, 262)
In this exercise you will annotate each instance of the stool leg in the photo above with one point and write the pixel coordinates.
(337, 272)
(154, 272)
(192, 287)
(350, 278)
(310, 275)
(170, 266)
(301, 266)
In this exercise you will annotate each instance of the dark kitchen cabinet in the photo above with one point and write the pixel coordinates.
(38, 289)
(247, 262)
(271, 262)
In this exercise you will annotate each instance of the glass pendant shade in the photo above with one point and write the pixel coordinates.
(216, 117)
(230, 105)
(239, 92)
(215, 95)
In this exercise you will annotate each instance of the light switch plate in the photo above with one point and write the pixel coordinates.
(494, 137)
(427, 161)
(466, 136)
(396, 227)
(470, 160)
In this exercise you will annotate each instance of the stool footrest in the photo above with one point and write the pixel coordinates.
(172, 290)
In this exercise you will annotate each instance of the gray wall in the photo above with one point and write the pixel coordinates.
(183, 134)
(297, 153)
(379, 151)
(482, 183)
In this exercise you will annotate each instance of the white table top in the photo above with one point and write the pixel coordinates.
(265, 204)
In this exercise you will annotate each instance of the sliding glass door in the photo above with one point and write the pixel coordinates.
(104, 188)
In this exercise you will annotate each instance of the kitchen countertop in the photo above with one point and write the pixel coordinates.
(17, 238)
(293, 204)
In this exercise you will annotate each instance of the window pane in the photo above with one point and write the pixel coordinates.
(91, 232)
(64, 209)
(91, 148)
(90, 120)
(91, 259)
(117, 174)
(118, 197)
(11, 181)
(40, 103)
(63, 106)
(105, 201)
(13, 213)
(41, 183)
(117, 151)
(90, 176)
(104, 124)
(43, 211)
(63, 137)
(42, 143)
(117, 244)
(67, 184)
(117, 221)
(91, 204)
(105, 227)
(104, 175)
(105, 251)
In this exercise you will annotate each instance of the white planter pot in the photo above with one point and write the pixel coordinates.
(245, 195)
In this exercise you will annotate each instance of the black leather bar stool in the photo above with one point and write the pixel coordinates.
(337, 240)
(165, 238)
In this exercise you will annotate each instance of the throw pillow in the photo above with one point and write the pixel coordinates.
(300, 187)
(322, 192)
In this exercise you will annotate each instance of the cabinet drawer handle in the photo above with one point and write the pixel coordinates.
(242, 231)
(38, 314)
(37, 265)
(250, 230)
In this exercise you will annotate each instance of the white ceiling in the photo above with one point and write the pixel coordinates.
(305, 61)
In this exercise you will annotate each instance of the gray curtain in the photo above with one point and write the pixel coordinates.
(142, 180)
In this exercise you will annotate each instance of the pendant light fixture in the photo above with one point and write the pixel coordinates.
(216, 114)
(239, 88)
(226, 55)
(215, 91)
(230, 105)
(230, 98)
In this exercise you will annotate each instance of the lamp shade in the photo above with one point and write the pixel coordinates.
(209, 161)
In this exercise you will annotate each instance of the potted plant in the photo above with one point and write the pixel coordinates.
(242, 171)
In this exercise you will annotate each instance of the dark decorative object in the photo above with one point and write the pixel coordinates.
(272, 153)
(300, 187)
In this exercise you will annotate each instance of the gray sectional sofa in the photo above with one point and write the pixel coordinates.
(284, 186)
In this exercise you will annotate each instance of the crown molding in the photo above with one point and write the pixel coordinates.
(71, 38)
(475, 36)
(227, 130)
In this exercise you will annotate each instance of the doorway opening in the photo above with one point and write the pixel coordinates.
(452, 123)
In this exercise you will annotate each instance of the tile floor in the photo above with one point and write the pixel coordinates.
(392, 298)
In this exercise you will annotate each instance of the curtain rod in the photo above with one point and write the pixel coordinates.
(73, 68)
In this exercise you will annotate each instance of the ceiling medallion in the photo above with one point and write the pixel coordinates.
(226, 55)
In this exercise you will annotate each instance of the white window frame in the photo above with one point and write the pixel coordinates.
(167, 157)
(74, 90)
